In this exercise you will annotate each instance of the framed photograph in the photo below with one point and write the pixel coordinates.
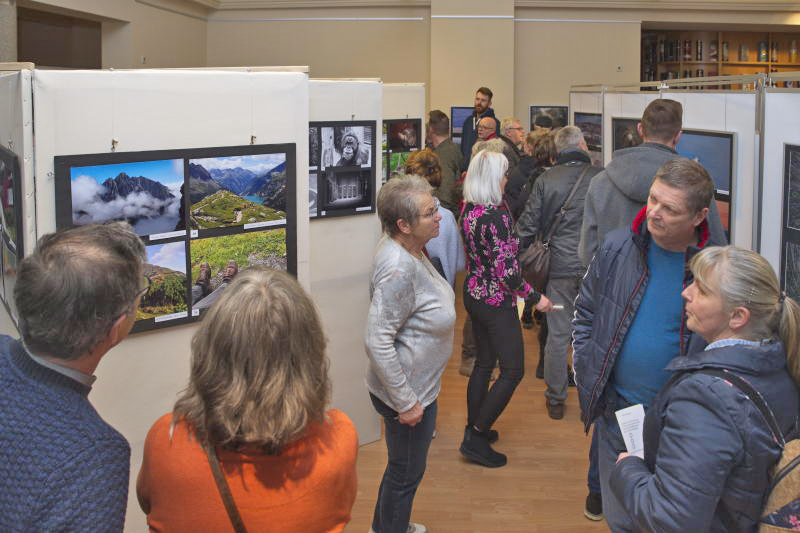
(591, 125)
(544, 117)
(459, 114)
(715, 151)
(178, 200)
(624, 134)
(345, 178)
(790, 232)
(314, 151)
(11, 199)
(403, 135)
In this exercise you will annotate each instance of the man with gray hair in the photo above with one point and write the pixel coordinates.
(573, 170)
(512, 133)
(65, 469)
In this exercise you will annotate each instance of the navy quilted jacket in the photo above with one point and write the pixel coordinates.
(608, 299)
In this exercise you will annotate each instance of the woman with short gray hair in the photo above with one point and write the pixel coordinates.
(409, 338)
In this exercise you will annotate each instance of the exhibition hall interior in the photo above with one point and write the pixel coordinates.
(240, 134)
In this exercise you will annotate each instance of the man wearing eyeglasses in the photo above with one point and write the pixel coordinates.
(64, 468)
(512, 133)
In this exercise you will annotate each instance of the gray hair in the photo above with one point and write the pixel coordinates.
(75, 285)
(482, 184)
(691, 177)
(568, 137)
(507, 124)
(743, 278)
(398, 200)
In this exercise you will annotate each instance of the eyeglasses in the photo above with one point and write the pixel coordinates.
(520, 128)
(144, 289)
(435, 209)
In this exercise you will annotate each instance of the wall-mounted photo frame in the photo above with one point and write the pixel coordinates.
(624, 133)
(401, 138)
(182, 201)
(548, 117)
(591, 125)
(790, 232)
(345, 173)
(458, 115)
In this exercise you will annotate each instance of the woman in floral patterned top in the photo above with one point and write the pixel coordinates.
(491, 287)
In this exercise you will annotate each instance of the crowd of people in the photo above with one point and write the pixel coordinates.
(643, 289)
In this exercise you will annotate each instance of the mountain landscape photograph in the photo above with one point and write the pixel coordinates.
(166, 270)
(147, 194)
(237, 190)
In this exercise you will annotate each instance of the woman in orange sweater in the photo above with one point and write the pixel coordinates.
(257, 394)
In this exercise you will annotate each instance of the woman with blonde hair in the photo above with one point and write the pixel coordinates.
(491, 288)
(249, 440)
(446, 248)
(708, 449)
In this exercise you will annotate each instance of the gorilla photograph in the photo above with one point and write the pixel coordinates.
(347, 146)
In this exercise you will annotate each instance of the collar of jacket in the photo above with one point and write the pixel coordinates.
(641, 237)
(572, 154)
(510, 144)
(659, 146)
(488, 113)
(769, 356)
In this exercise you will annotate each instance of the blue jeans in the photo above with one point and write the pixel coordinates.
(610, 444)
(408, 453)
(593, 479)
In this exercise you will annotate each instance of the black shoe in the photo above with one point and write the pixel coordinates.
(555, 410)
(475, 447)
(492, 434)
(594, 506)
(570, 377)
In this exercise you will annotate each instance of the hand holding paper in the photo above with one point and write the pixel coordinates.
(631, 424)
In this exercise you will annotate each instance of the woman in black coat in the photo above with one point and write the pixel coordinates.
(708, 450)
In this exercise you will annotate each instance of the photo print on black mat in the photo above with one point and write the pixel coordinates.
(346, 188)
(404, 135)
(591, 125)
(313, 204)
(313, 147)
(216, 261)
(792, 179)
(165, 269)
(624, 134)
(791, 269)
(347, 146)
(146, 194)
(11, 199)
(243, 190)
(548, 117)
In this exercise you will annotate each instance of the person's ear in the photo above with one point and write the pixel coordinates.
(118, 330)
(640, 130)
(677, 138)
(700, 216)
(403, 226)
(740, 317)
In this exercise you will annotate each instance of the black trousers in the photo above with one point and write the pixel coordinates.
(498, 337)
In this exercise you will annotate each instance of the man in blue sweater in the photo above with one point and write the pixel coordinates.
(62, 468)
(629, 316)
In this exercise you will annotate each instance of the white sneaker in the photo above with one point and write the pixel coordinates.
(412, 528)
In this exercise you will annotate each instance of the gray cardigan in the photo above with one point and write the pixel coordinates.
(409, 335)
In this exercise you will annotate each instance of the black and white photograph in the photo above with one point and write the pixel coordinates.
(146, 194)
(546, 118)
(791, 269)
(312, 194)
(11, 199)
(313, 147)
(347, 146)
(237, 190)
(404, 135)
(624, 134)
(792, 180)
(346, 189)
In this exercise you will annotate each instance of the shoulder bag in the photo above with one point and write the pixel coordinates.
(224, 490)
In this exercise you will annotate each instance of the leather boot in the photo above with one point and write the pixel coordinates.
(475, 447)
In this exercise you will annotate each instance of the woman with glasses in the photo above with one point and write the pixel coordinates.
(409, 339)
(491, 288)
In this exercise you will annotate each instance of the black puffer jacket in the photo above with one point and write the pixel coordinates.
(609, 297)
(708, 450)
(518, 187)
(548, 195)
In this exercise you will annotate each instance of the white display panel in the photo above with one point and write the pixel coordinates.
(81, 112)
(341, 261)
(781, 109)
(621, 105)
(589, 106)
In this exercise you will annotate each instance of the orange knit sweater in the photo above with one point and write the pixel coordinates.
(309, 487)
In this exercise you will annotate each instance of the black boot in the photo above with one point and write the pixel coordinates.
(475, 447)
(492, 434)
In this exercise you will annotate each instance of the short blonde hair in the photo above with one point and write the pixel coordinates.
(259, 373)
(482, 184)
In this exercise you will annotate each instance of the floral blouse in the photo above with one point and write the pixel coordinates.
(493, 273)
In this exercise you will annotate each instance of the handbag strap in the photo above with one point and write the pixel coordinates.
(563, 209)
(224, 490)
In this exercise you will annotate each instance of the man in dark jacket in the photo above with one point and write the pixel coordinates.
(548, 196)
(513, 134)
(469, 132)
(619, 192)
(629, 317)
(438, 136)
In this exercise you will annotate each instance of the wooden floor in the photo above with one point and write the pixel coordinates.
(541, 489)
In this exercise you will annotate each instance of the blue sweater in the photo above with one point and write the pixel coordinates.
(62, 468)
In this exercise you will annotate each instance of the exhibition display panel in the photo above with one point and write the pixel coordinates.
(204, 215)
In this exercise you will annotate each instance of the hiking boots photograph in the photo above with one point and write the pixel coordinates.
(230, 271)
(475, 447)
(204, 278)
(594, 506)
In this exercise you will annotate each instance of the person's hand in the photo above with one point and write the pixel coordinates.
(622, 456)
(544, 304)
(412, 417)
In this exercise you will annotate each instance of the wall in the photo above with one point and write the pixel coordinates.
(49, 39)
